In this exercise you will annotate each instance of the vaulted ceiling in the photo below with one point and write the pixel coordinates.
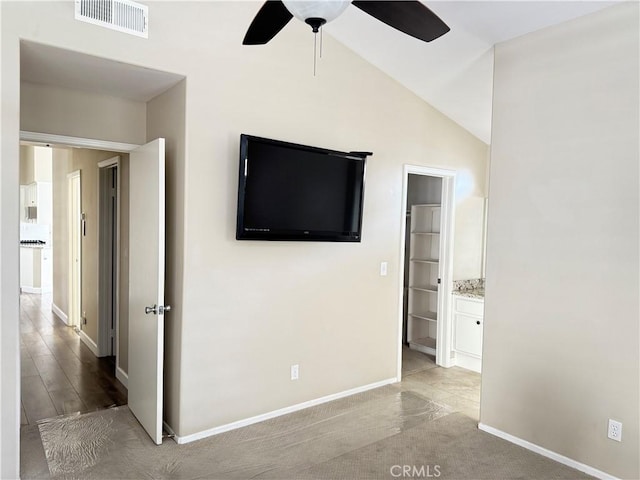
(454, 73)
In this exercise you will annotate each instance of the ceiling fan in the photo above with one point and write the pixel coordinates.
(410, 17)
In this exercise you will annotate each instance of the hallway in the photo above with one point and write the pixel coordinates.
(60, 374)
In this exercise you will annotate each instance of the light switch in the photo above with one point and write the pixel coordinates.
(383, 269)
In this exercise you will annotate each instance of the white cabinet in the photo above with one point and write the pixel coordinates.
(424, 278)
(36, 269)
(468, 320)
(40, 196)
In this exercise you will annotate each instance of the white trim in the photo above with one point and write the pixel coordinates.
(468, 361)
(104, 330)
(86, 339)
(75, 270)
(58, 311)
(444, 354)
(443, 351)
(547, 453)
(282, 411)
(122, 376)
(31, 290)
(110, 162)
(48, 139)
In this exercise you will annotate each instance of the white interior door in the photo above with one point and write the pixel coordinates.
(146, 285)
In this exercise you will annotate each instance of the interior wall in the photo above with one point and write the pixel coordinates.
(251, 309)
(60, 228)
(561, 333)
(27, 175)
(66, 161)
(42, 165)
(47, 109)
(166, 118)
(87, 162)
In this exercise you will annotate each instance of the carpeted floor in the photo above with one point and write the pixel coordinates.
(384, 433)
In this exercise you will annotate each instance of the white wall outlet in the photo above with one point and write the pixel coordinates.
(615, 430)
(295, 372)
(383, 269)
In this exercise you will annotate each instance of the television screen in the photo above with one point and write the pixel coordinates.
(296, 192)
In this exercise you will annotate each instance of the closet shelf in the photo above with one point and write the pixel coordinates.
(430, 316)
(425, 345)
(425, 289)
(425, 260)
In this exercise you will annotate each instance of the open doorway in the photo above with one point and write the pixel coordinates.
(428, 200)
(63, 368)
(108, 255)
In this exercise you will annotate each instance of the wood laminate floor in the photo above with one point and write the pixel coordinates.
(60, 374)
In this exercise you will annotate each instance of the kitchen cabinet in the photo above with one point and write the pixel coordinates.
(40, 196)
(468, 324)
(36, 269)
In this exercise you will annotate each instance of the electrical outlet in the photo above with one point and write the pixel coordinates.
(295, 372)
(615, 430)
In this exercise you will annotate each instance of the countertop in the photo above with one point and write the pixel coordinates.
(474, 293)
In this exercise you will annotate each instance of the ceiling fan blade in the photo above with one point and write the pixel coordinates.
(410, 17)
(269, 20)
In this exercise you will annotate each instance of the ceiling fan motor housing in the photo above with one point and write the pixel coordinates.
(311, 12)
(315, 23)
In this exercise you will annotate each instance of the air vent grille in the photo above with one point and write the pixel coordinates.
(121, 15)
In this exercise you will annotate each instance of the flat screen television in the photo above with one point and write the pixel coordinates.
(296, 192)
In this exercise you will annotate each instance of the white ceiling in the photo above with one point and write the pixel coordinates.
(453, 73)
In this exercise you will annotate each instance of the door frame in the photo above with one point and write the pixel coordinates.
(444, 332)
(74, 212)
(104, 329)
(49, 139)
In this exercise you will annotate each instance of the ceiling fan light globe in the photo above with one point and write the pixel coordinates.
(325, 9)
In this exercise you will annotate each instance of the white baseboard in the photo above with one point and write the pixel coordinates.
(61, 315)
(470, 363)
(86, 339)
(547, 453)
(280, 412)
(122, 376)
(30, 290)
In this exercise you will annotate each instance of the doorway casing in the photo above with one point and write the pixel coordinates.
(109, 256)
(74, 210)
(444, 331)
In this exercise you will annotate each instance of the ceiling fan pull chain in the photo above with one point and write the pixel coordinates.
(315, 36)
(321, 41)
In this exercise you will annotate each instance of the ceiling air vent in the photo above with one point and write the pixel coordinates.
(122, 15)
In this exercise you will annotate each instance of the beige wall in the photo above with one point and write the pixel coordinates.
(251, 309)
(66, 161)
(60, 228)
(166, 118)
(26, 164)
(561, 336)
(45, 109)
